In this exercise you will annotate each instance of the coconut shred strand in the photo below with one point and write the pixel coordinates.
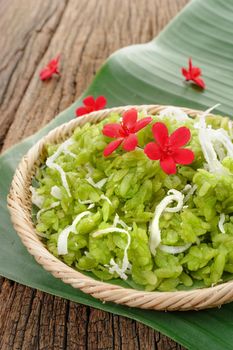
(222, 219)
(118, 221)
(222, 137)
(53, 205)
(174, 249)
(208, 138)
(189, 192)
(202, 117)
(88, 201)
(63, 148)
(56, 192)
(36, 198)
(174, 113)
(155, 233)
(99, 184)
(63, 236)
(105, 198)
(114, 267)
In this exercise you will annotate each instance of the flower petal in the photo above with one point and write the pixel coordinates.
(153, 151)
(160, 133)
(112, 130)
(186, 74)
(130, 143)
(195, 72)
(45, 74)
(190, 64)
(129, 119)
(200, 82)
(89, 101)
(53, 64)
(112, 146)
(183, 156)
(180, 137)
(140, 124)
(168, 165)
(50, 69)
(81, 111)
(100, 103)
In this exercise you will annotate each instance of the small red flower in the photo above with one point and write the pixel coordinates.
(50, 69)
(193, 73)
(91, 105)
(168, 149)
(125, 132)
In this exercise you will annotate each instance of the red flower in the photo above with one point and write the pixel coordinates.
(125, 131)
(50, 69)
(168, 149)
(193, 73)
(91, 105)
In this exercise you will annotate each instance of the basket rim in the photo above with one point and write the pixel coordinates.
(19, 205)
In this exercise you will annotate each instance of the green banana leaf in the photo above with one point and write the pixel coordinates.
(145, 74)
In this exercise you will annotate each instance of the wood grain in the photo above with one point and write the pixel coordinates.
(85, 32)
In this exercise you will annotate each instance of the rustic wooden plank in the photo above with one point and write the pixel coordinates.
(26, 31)
(85, 33)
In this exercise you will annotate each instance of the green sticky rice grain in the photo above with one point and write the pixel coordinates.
(169, 284)
(87, 263)
(144, 277)
(198, 256)
(135, 186)
(185, 279)
(192, 226)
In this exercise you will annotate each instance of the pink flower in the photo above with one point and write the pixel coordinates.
(193, 73)
(91, 105)
(50, 69)
(168, 149)
(125, 132)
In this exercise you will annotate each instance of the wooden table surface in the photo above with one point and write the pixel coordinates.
(85, 32)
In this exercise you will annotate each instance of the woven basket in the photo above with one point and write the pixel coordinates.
(19, 204)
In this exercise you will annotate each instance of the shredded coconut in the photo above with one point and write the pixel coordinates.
(89, 168)
(53, 205)
(155, 233)
(221, 222)
(99, 184)
(91, 206)
(36, 198)
(174, 113)
(66, 151)
(190, 192)
(174, 249)
(219, 149)
(202, 121)
(63, 148)
(88, 201)
(118, 221)
(186, 188)
(210, 140)
(56, 192)
(63, 236)
(214, 165)
(178, 196)
(105, 198)
(114, 267)
(222, 137)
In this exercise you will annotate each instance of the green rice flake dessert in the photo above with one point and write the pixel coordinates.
(142, 200)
